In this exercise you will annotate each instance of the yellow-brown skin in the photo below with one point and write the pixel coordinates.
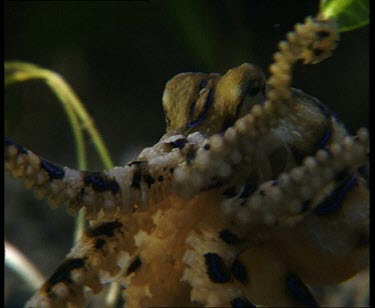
(234, 93)
(172, 236)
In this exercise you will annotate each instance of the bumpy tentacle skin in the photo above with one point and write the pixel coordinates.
(255, 189)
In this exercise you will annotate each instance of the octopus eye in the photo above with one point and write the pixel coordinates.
(253, 88)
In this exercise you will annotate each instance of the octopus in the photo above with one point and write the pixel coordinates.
(255, 191)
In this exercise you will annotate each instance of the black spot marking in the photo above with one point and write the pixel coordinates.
(171, 170)
(230, 192)
(262, 193)
(207, 147)
(107, 229)
(100, 183)
(160, 178)
(179, 143)
(136, 180)
(228, 237)
(134, 265)
(299, 291)
(216, 269)
(192, 123)
(322, 34)
(190, 155)
(239, 271)
(99, 243)
(317, 51)
(333, 200)
(241, 302)
(62, 274)
(55, 172)
(149, 180)
(19, 148)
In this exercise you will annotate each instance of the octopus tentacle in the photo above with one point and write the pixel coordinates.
(213, 270)
(312, 42)
(102, 254)
(288, 195)
(120, 189)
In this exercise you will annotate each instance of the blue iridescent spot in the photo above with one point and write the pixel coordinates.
(300, 292)
(216, 269)
(19, 148)
(333, 200)
(241, 302)
(55, 172)
(326, 135)
(202, 84)
(101, 183)
(192, 123)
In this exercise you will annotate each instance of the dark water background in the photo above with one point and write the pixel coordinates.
(117, 56)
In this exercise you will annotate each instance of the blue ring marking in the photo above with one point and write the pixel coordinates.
(247, 190)
(20, 148)
(241, 302)
(333, 200)
(300, 292)
(202, 84)
(239, 271)
(326, 136)
(55, 172)
(204, 112)
(216, 268)
(101, 183)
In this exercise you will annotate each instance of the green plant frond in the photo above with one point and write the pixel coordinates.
(80, 120)
(350, 14)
